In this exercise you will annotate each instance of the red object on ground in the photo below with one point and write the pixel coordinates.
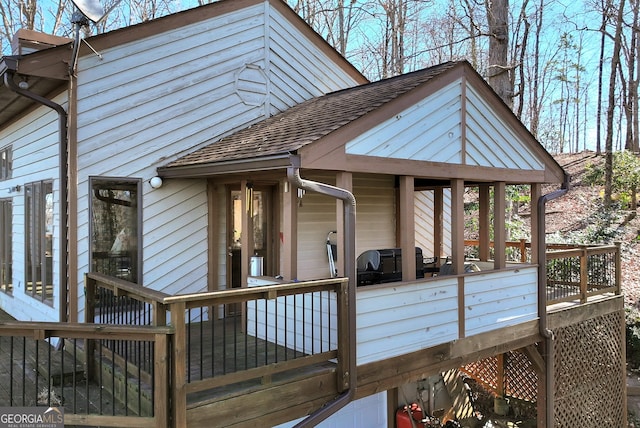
(404, 413)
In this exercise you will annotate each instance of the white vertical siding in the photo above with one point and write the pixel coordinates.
(500, 299)
(491, 141)
(35, 144)
(429, 130)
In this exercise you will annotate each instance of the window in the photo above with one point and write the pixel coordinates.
(6, 271)
(5, 163)
(39, 240)
(115, 228)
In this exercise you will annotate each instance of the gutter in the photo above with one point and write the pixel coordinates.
(293, 175)
(64, 215)
(545, 332)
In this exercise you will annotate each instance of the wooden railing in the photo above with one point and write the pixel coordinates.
(581, 272)
(65, 365)
(237, 335)
(574, 272)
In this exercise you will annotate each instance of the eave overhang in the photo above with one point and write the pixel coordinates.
(46, 72)
(236, 166)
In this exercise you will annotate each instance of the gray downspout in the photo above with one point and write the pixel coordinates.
(62, 131)
(293, 175)
(542, 300)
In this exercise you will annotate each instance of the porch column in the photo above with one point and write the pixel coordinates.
(344, 180)
(499, 228)
(536, 193)
(484, 237)
(246, 240)
(438, 227)
(289, 235)
(457, 248)
(407, 228)
(457, 226)
(215, 204)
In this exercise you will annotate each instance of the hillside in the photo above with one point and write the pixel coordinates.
(578, 214)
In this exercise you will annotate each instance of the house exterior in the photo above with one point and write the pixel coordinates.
(150, 155)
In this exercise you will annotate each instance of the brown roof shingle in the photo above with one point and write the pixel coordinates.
(309, 121)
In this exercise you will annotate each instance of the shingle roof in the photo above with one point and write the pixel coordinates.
(309, 121)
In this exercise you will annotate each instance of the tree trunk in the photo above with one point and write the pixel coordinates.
(615, 62)
(499, 69)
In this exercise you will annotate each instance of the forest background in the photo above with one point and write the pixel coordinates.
(568, 69)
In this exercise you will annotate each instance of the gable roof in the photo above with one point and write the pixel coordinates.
(279, 141)
(48, 68)
(309, 121)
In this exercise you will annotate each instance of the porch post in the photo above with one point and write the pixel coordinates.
(407, 227)
(438, 228)
(344, 180)
(484, 237)
(246, 240)
(457, 225)
(289, 235)
(499, 228)
(536, 194)
(457, 248)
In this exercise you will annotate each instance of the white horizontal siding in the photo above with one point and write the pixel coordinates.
(500, 299)
(175, 238)
(403, 318)
(429, 130)
(491, 141)
(299, 69)
(153, 100)
(375, 222)
(35, 143)
(375, 212)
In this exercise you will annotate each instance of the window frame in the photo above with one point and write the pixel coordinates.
(117, 182)
(6, 163)
(6, 245)
(39, 213)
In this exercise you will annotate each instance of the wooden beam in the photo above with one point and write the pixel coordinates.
(438, 226)
(246, 237)
(457, 226)
(499, 226)
(393, 372)
(484, 236)
(536, 237)
(407, 228)
(500, 379)
(213, 236)
(392, 406)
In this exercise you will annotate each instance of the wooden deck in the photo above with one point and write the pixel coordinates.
(216, 348)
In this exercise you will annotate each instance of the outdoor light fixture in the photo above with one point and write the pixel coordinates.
(155, 182)
(23, 84)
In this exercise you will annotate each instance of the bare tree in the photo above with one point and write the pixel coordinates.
(498, 72)
(615, 63)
